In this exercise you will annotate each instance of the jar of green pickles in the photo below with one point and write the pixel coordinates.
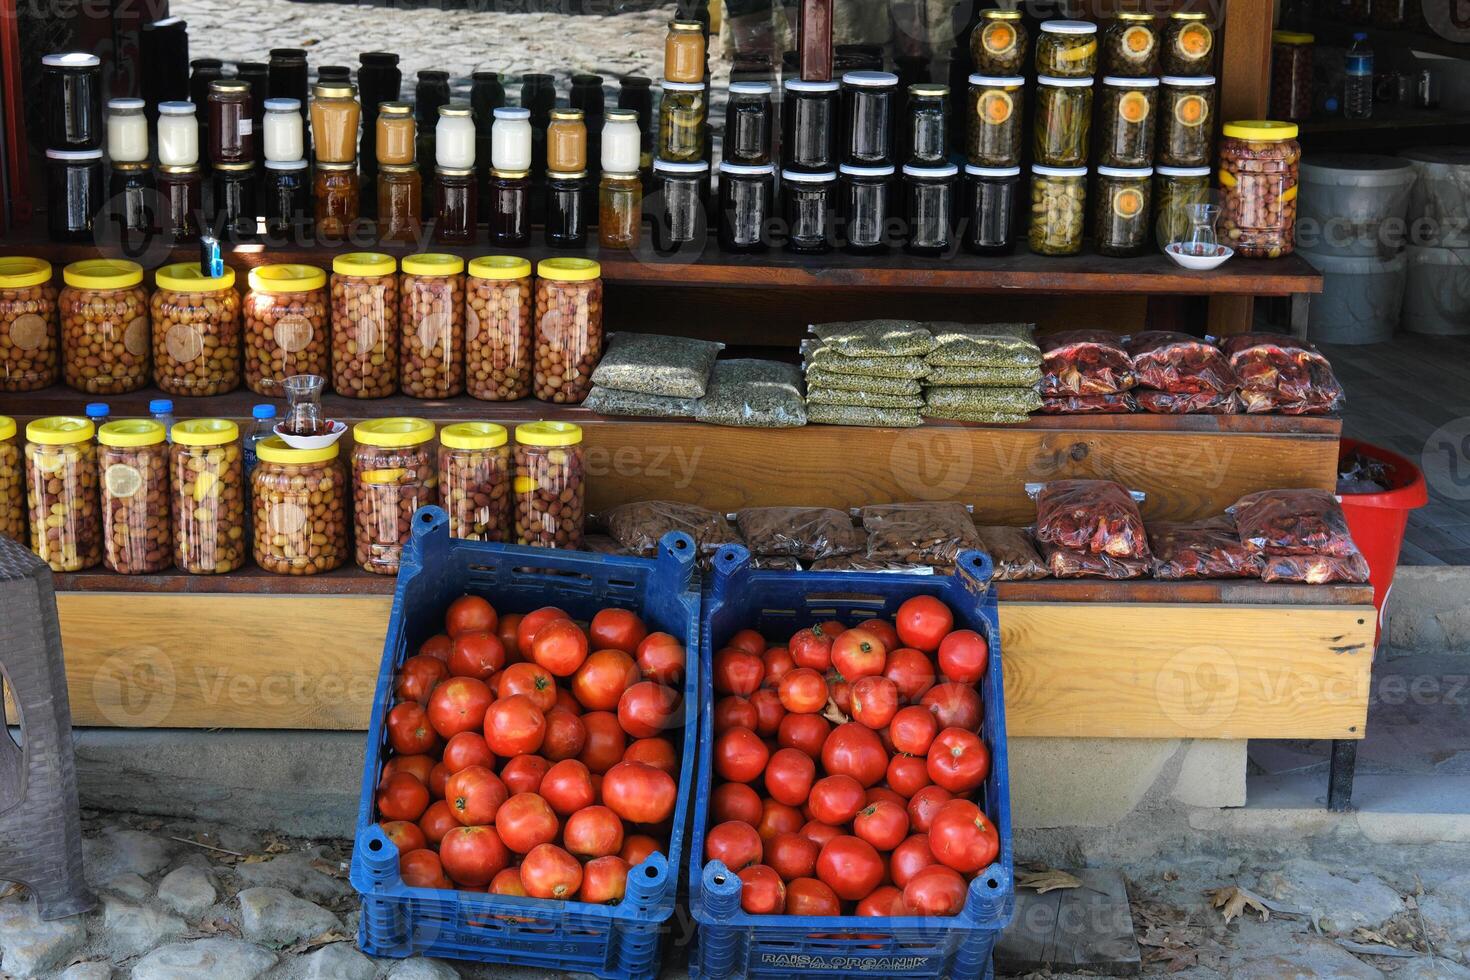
(1131, 46)
(1186, 119)
(1120, 210)
(1063, 121)
(1058, 209)
(1000, 43)
(1067, 49)
(681, 121)
(1125, 121)
(993, 136)
(1189, 44)
(1175, 188)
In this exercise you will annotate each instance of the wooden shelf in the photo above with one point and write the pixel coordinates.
(1340, 33)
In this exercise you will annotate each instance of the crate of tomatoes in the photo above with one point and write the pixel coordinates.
(853, 812)
(526, 788)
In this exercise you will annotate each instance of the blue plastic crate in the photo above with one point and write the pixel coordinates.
(619, 941)
(732, 943)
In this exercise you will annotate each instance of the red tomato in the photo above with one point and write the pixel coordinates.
(911, 671)
(811, 648)
(526, 820)
(737, 672)
(593, 832)
(959, 761)
(874, 701)
(473, 855)
(808, 896)
(604, 880)
(819, 833)
(857, 654)
(840, 691)
(602, 679)
(533, 681)
(524, 773)
(617, 629)
(792, 856)
(656, 752)
(735, 801)
(423, 869)
(606, 741)
(567, 787)
(805, 732)
(854, 750)
(508, 882)
(909, 858)
(907, 774)
(420, 767)
(769, 711)
(409, 730)
(913, 729)
(550, 872)
(762, 892)
(850, 866)
(778, 818)
(566, 735)
(459, 705)
(507, 630)
(876, 793)
(740, 755)
(469, 613)
(418, 677)
(637, 848)
(954, 706)
(639, 793)
(514, 726)
(883, 630)
(467, 749)
(405, 835)
(437, 821)
(922, 623)
(832, 628)
(647, 709)
(474, 795)
(477, 655)
(560, 646)
(803, 692)
(778, 664)
(884, 900)
(924, 804)
(437, 646)
(438, 776)
(531, 624)
(566, 700)
(962, 837)
(748, 640)
(837, 799)
(661, 657)
(737, 845)
(936, 890)
(789, 776)
(883, 824)
(733, 711)
(963, 657)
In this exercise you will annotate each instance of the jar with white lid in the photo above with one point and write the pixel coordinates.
(127, 131)
(510, 139)
(178, 134)
(1067, 49)
(1126, 121)
(1121, 209)
(621, 142)
(285, 137)
(454, 137)
(1058, 209)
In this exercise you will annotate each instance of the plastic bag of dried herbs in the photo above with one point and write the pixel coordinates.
(637, 527)
(861, 399)
(980, 376)
(984, 344)
(933, 532)
(650, 363)
(875, 338)
(828, 359)
(960, 402)
(750, 392)
(808, 533)
(833, 381)
(1013, 553)
(609, 401)
(886, 418)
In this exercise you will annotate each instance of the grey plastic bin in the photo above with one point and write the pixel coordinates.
(1437, 294)
(1360, 301)
(1439, 205)
(1354, 204)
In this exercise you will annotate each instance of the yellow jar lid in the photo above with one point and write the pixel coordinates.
(433, 264)
(60, 430)
(1188, 15)
(568, 269)
(1001, 14)
(500, 267)
(103, 274)
(1135, 15)
(287, 277)
(186, 277)
(548, 434)
(473, 435)
(273, 449)
(1292, 37)
(205, 432)
(7, 427)
(131, 433)
(20, 271)
(364, 264)
(398, 433)
(1261, 130)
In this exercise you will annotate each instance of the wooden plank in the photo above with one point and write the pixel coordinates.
(1076, 930)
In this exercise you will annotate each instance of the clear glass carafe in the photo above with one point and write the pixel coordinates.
(1201, 240)
(304, 405)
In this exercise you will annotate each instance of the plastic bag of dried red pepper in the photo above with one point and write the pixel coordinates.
(1180, 364)
(1096, 516)
(1085, 362)
(1315, 569)
(1293, 522)
(1199, 403)
(1202, 549)
(1012, 552)
(1282, 374)
(1116, 404)
(1069, 563)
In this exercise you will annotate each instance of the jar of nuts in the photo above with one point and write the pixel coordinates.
(61, 473)
(196, 331)
(550, 485)
(364, 325)
(28, 331)
(12, 489)
(498, 328)
(1258, 188)
(132, 461)
(393, 475)
(300, 508)
(474, 480)
(104, 327)
(568, 328)
(431, 326)
(285, 326)
(209, 496)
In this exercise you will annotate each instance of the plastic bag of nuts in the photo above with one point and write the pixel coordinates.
(550, 485)
(209, 496)
(1013, 553)
(475, 480)
(931, 533)
(568, 328)
(196, 331)
(104, 327)
(132, 462)
(28, 328)
(810, 533)
(499, 329)
(431, 326)
(639, 526)
(365, 325)
(393, 475)
(61, 473)
(285, 326)
(299, 501)
(12, 488)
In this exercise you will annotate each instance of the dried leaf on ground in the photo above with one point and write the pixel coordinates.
(1235, 900)
(317, 942)
(1048, 880)
(274, 845)
(218, 927)
(1376, 949)
(332, 868)
(1171, 875)
(13, 888)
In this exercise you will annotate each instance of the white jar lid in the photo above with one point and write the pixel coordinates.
(747, 169)
(975, 171)
(681, 167)
(512, 112)
(1063, 82)
(1198, 81)
(1163, 171)
(177, 108)
(669, 86)
(796, 176)
(870, 79)
(1068, 27)
(750, 88)
(78, 155)
(852, 170)
(1119, 82)
(997, 81)
(943, 170)
(806, 85)
(125, 104)
(1127, 172)
(1041, 170)
(282, 105)
(285, 165)
(71, 59)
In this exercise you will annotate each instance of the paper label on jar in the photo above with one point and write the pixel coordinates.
(286, 518)
(28, 331)
(471, 325)
(247, 126)
(434, 331)
(369, 334)
(293, 333)
(184, 343)
(135, 337)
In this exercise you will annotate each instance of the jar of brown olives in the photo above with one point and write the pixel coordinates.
(1259, 163)
(12, 484)
(196, 331)
(29, 339)
(475, 476)
(208, 496)
(550, 485)
(133, 463)
(1067, 49)
(1189, 44)
(1125, 121)
(300, 508)
(1186, 120)
(993, 136)
(1121, 210)
(1131, 46)
(104, 327)
(61, 475)
(1000, 44)
(393, 475)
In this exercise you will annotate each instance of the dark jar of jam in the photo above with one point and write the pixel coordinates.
(991, 218)
(619, 210)
(867, 118)
(235, 199)
(399, 195)
(71, 86)
(566, 217)
(456, 207)
(73, 193)
(865, 203)
(231, 122)
(747, 203)
(181, 192)
(809, 126)
(130, 198)
(337, 195)
(285, 197)
(809, 208)
(510, 208)
(929, 207)
(926, 128)
(680, 203)
(748, 124)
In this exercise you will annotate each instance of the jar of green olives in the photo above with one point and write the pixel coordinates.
(1058, 203)
(1131, 46)
(1125, 119)
(1186, 118)
(1189, 44)
(1067, 49)
(1120, 210)
(1063, 121)
(993, 136)
(1000, 43)
(1175, 188)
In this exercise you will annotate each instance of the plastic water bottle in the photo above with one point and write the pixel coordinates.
(98, 412)
(1358, 95)
(260, 429)
(162, 410)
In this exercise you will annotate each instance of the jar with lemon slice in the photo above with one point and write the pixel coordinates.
(1058, 209)
(133, 462)
(29, 339)
(1189, 44)
(196, 331)
(12, 487)
(286, 326)
(475, 479)
(364, 325)
(209, 496)
(299, 508)
(1067, 49)
(499, 328)
(1126, 121)
(1186, 120)
(1063, 121)
(61, 479)
(1259, 173)
(394, 473)
(994, 130)
(550, 485)
(1000, 44)
(431, 326)
(104, 327)
(1120, 210)
(1131, 46)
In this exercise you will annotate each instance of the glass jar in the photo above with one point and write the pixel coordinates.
(1189, 44)
(396, 134)
(680, 193)
(748, 124)
(196, 331)
(456, 207)
(1126, 121)
(181, 192)
(867, 114)
(510, 139)
(1131, 46)
(684, 52)
(1258, 188)
(285, 131)
(454, 137)
(1067, 49)
(808, 206)
(208, 495)
(29, 331)
(566, 141)
(71, 99)
(809, 126)
(1390, 14)
(12, 485)
(510, 208)
(926, 133)
(1000, 44)
(178, 134)
(337, 200)
(286, 326)
(1058, 209)
(399, 193)
(74, 194)
(61, 478)
(994, 130)
(364, 325)
(287, 197)
(235, 199)
(133, 471)
(499, 328)
(475, 480)
(619, 210)
(568, 328)
(747, 202)
(682, 115)
(335, 116)
(288, 73)
(929, 208)
(431, 326)
(1186, 120)
(566, 218)
(393, 475)
(989, 207)
(127, 131)
(299, 508)
(1175, 189)
(1291, 75)
(130, 197)
(550, 485)
(1120, 213)
(622, 144)
(231, 122)
(1063, 121)
(104, 327)
(866, 207)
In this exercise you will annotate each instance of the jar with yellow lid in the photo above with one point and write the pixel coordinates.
(393, 475)
(196, 331)
(999, 45)
(568, 328)
(209, 496)
(1189, 44)
(286, 326)
(12, 486)
(550, 487)
(299, 508)
(1291, 75)
(28, 324)
(104, 327)
(364, 325)
(1131, 46)
(475, 480)
(431, 326)
(684, 51)
(133, 466)
(1258, 178)
(499, 329)
(61, 479)
(335, 114)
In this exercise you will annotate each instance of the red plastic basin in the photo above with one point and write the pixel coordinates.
(1377, 520)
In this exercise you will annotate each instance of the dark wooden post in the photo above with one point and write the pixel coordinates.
(816, 40)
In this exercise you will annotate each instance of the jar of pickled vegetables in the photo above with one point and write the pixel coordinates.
(1120, 212)
(1131, 46)
(1126, 121)
(1258, 187)
(196, 331)
(133, 463)
(1291, 75)
(1175, 189)
(1189, 44)
(1186, 120)
(1058, 209)
(499, 328)
(550, 485)
(286, 326)
(1063, 121)
(682, 115)
(299, 509)
(994, 131)
(1000, 44)
(1067, 49)
(393, 475)
(104, 327)
(364, 325)
(431, 325)
(209, 496)
(475, 480)
(28, 324)
(61, 476)
(568, 328)
(12, 485)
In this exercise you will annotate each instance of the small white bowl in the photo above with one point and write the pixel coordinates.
(1199, 263)
(311, 442)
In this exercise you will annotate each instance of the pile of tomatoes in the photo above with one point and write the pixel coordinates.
(533, 755)
(845, 764)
